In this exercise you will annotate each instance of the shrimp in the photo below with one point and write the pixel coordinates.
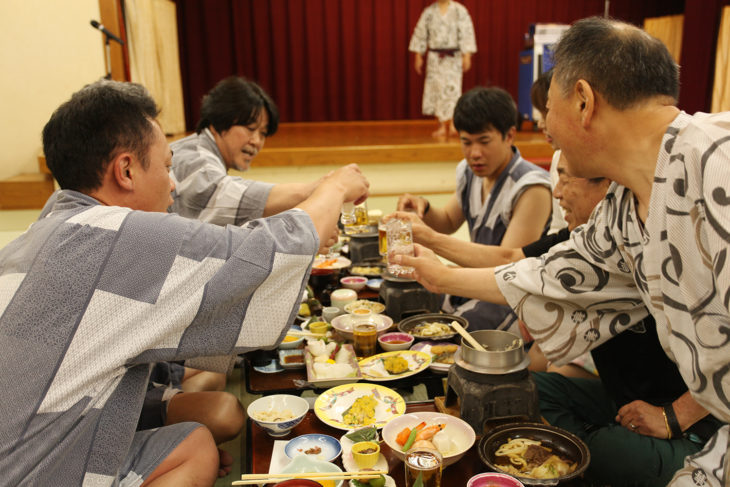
(428, 432)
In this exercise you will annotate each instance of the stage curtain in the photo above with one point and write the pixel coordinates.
(721, 90)
(327, 60)
(667, 29)
(153, 57)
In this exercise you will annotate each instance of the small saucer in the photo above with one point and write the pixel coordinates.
(271, 368)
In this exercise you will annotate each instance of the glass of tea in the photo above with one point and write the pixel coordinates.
(364, 336)
(400, 242)
(423, 463)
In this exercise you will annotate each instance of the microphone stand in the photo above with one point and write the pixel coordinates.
(108, 50)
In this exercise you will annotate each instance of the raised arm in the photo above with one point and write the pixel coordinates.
(529, 217)
(438, 278)
(456, 250)
(285, 196)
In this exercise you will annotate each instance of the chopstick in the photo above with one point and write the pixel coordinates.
(251, 479)
(305, 334)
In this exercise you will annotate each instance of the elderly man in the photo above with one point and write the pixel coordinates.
(107, 283)
(659, 240)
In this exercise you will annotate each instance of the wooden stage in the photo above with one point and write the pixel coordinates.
(322, 143)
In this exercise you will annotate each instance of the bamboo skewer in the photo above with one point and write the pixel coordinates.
(252, 479)
(472, 341)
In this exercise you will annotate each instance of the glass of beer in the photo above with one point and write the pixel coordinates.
(424, 463)
(356, 220)
(400, 242)
(382, 239)
(364, 333)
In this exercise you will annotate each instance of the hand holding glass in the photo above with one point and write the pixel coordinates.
(399, 242)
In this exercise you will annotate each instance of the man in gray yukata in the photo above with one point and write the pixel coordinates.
(236, 117)
(659, 241)
(106, 283)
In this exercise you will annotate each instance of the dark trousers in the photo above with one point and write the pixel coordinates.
(619, 457)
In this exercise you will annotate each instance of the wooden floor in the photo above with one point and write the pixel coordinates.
(322, 143)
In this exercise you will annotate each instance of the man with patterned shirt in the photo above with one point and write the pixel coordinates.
(106, 283)
(659, 240)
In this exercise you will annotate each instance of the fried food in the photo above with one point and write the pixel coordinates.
(395, 364)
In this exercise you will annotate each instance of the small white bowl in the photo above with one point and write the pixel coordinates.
(354, 282)
(278, 403)
(342, 297)
(343, 324)
(457, 430)
(387, 341)
(284, 345)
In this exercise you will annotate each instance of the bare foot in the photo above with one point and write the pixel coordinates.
(440, 133)
(226, 460)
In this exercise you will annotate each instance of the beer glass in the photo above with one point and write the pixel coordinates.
(425, 463)
(400, 242)
(364, 336)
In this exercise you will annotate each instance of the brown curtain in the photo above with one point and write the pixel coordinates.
(347, 59)
(721, 89)
(153, 57)
(667, 29)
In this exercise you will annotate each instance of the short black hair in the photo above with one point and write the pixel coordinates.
(99, 121)
(482, 108)
(620, 61)
(236, 101)
(539, 91)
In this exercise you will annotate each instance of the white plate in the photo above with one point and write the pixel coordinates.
(332, 404)
(372, 368)
(293, 365)
(339, 263)
(349, 462)
(426, 347)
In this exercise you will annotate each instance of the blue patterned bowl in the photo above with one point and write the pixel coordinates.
(278, 413)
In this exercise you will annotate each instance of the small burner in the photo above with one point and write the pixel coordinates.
(405, 297)
(489, 399)
(364, 247)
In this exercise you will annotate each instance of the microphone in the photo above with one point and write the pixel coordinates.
(106, 31)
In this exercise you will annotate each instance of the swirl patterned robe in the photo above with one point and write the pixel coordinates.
(596, 285)
(453, 30)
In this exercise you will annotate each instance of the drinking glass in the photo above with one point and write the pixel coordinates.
(347, 214)
(364, 336)
(426, 463)
(400, 242)
(382, 239)
(356, 220)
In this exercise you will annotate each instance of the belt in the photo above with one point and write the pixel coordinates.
(445, 52)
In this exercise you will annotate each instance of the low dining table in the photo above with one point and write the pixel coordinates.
(258, 457)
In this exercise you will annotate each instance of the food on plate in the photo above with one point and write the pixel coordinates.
(330, 360)
(273, 416)
(315, 450)
(443, 354)
(366, 270)
(304, 310)
(373, 306)
(395, 364)
(294, 359)
(528, 458)
(325, 264)
(431, 329)
(290, 338)
(362, 411)
(363, 434)
(378, 482)
(420, 436)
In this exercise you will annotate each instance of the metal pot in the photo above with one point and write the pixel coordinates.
(495, 341)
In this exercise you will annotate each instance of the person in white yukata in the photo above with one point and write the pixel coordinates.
(659, 240)
(106, 283)
(445, 30)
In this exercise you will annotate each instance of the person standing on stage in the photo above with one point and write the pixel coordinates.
(444, 29)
